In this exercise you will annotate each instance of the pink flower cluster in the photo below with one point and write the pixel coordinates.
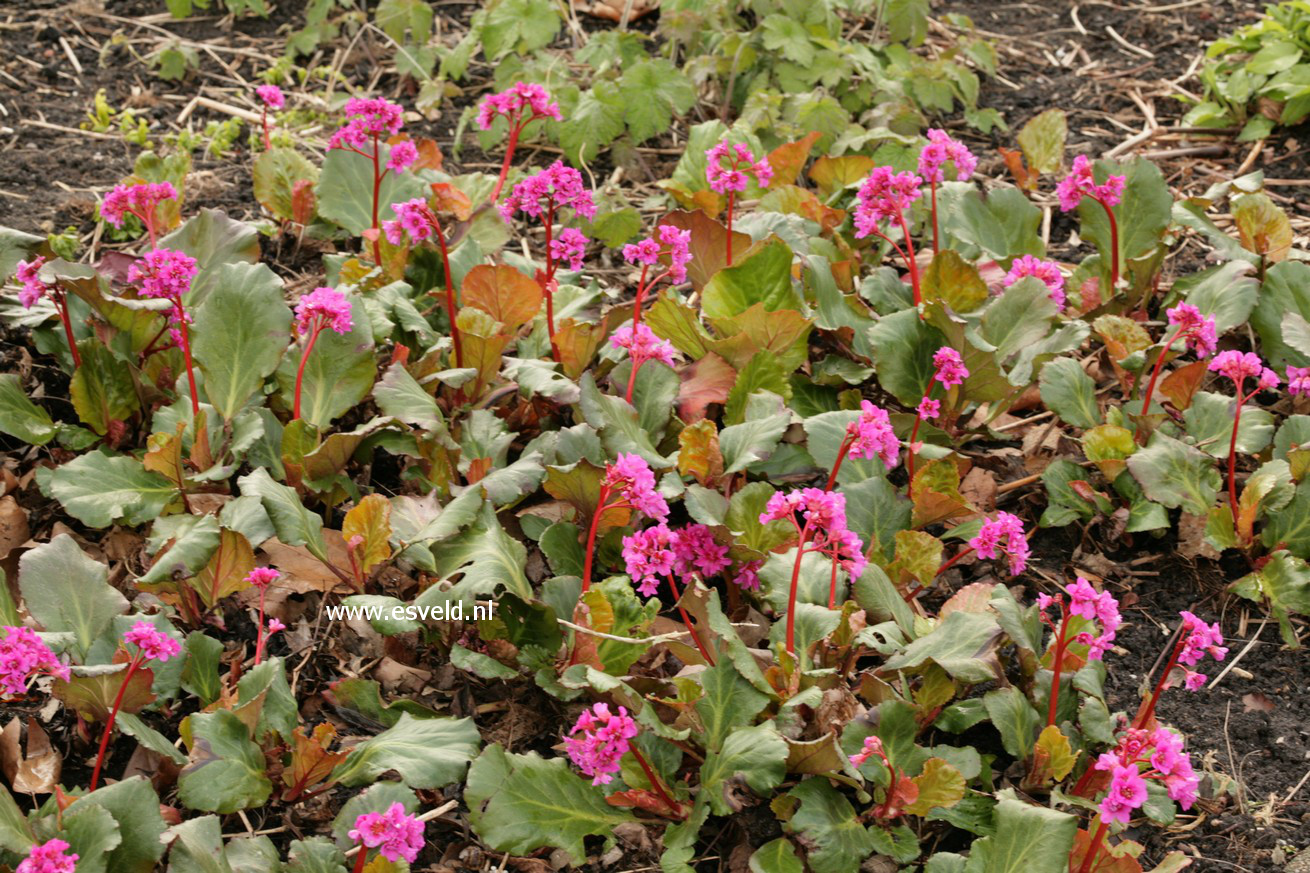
(29, 273)
(262, 577)
(824, 525)
(413, 217)
(139, 200)
(1047, 271)
(569, 246)
(605, 739)
(166, 274)
(395, 833)
(402, 157)
(1298, 380)
(1003, 535)
(929, 408)
(511, 102)
(1199, 639)
(633, 479)
(873, 436)
(154, 644)
(49, 857)
(884, 196)
(23, 655)
(1160, 753)
(1197, 331)
(643, 345)
(369, 119)
(559, 185)
(658, 551)
(872, 746)
(1079, 184)
(940, 149)
(949, 366)
(271, 96)
(1086, 602)
(748, 576)
(668, 240)
(323, 307)
(740, 162)
(1240, 366)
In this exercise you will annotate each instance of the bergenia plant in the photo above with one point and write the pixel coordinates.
(164, 274)
(670, 246)
(940, 150)
(1002, 536)
(395, 834)
(370, 122)
(642, 345)
(869, 436)
(597, 743)
(1079, 184)
(1047, 271)
(1196, 639)
(728, 168)
(901, 791)
(52, 856)
(151, 644)
(261, 578)
(948, 371)
(270, 97)
(22, 657)
(819, 518)
(1241, 366)
(520, 105)
(884, 197)
(545, 196)
(659, 552)
(1096, 609)
(628, 484)
(322, 309)
(29, 273)
(1197, 333)
(141, 201)
(417, 221)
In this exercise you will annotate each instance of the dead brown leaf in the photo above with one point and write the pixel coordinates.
(1191, 538)
(1256, 702)
(13, 525)
(979, 488)
(36, 771)
(301, 571)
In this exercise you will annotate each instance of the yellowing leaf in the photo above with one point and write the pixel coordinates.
(940, 786)
(370, 519)
(504, 293)
(698, 452)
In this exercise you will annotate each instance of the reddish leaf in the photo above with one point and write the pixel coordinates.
(311, 762)
(1014, 162)
(707, 381)
(789, 159)
(650, 801)
(709, 244)
(504, 293)
(448, 198)
(1180, 385)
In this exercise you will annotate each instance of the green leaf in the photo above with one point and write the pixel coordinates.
(489, 559)
(728, 701)
(339, 373)
(66, 591)
(102, 389)
(877, 511)
(764, 372)
(755, 755)
(1070, 393)
(776, 856)
(427, 753)
(15, 832)
(91, 833)
(595, 121)
(652, 92)
(200, 675)
(1029, 838)
(1015, 718)
(213, 239)
(194, 540)
(20, 417)
(752, 440)
(240, 333)
(1019, 318)
(278, 170)
(295, 525)
(827, 822)
(764, 277)
(226, 772)
(1042, 140)
(1176, 475)
(963, 644)
(618, 423)
(315, 855)
(1210, 423)
(955, 282)
(266, 686)
(135, 806)
(521, 26)
(1003, 224)
(345, 191)
(1144, 213)
(197, 847)
(903, 346)
(99, 488)
(1289, 528)
(1225, 292)
(397, 18)
(1286, 290)
(518, 803)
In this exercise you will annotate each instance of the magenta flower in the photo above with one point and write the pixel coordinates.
(164, 273)
(696, 552)
(1047, 271)
(605, 739)
(748, 576)
(413, 217)
(929, 409)
(1079, 184)
(633, 479)
(28, 272)
(643, 345)
(1200, 639)
(872, 436)
(22, 656)
(262, 577)
(569, 246)
(559, 186)
(369, 118)
(1240, 366)
(940, 149)
(51, 856)
(741, 162)
(872, 746)
(395, 833)
(511, 103)
(1298, 380)
(950, 367)
(822, 526)
(1003, 535)
(271, 96)
(884, 196)
(1196, 330)
(648, 555)
(139, 200)
(669, 242)
(275, 625)
(402, 157)
(1127, 790)
(154, 644)
(1086, 602)
(1141, 755)
(323, 307)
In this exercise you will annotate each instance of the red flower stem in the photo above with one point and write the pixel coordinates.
(910, 262)
(546, 286)
(642, 288)
(300, 371)
(514, 130)
(632, 378)
(1232, 449)
(832, 586)
(944, 567)
(691, 628)
(61, 304)
(1114, 245)
(935, 247)
(259, 630)
(590, 554)
(1094, 847)
(377, 194)
(655, 781)
(1149, 710)
(360, 859)
(1060, 644)
(264, 121)
(1155, 371)
(841, 456)
(190, 369)
(731, 195)
(791, 594)
(910, 453)
(113, 715)
(450, 293)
